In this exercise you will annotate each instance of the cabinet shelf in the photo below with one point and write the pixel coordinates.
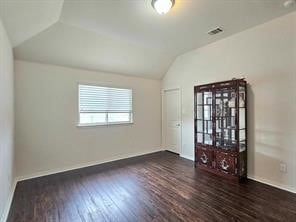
(204, 133)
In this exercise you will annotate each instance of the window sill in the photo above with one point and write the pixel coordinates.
(103, 124)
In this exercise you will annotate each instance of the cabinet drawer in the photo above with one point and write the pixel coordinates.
(204, 157)
(226, 162)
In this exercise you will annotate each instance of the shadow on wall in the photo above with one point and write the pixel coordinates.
(251, 130)
(268, 148)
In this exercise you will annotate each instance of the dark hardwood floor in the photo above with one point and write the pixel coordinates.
(155, 187)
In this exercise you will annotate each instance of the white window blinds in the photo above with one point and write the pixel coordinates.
(104, 105)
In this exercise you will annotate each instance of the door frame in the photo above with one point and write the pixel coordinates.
(163, 128)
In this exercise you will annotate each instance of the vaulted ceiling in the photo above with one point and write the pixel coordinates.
(124, 36)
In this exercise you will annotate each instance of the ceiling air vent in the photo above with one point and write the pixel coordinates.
(215, 31)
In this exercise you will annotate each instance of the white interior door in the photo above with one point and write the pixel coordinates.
(172, 120)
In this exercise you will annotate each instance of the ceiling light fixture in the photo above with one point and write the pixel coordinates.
(162, 6)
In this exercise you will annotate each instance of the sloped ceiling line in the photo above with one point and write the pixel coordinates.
(26, 19)
(125, 37)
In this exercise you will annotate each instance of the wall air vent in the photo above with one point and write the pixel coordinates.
(215, 31)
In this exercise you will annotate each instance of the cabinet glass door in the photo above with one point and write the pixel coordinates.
(204, 118)
(225, 111)
(242, 118)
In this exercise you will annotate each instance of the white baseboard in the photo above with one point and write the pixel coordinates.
(258, 179)
(6, 210)
(46, 173)
(187, 157)
(5, 213)
(272, 183)
(78, 166)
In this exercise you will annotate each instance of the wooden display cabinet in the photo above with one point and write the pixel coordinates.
(220, 128)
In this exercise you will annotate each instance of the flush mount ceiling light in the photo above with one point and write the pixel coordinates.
(162, 6)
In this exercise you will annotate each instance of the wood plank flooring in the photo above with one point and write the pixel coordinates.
(155, 187)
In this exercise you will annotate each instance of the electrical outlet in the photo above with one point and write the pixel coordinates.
(283, 167)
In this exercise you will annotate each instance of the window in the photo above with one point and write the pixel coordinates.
(104, 105)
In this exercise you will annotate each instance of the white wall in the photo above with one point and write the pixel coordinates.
(266, 56)
(6, 122)
(47, 138)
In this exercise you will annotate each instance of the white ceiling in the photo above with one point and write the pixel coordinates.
(25, 18)
(124, 36)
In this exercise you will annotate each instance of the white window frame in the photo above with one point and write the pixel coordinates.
(107, 123)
